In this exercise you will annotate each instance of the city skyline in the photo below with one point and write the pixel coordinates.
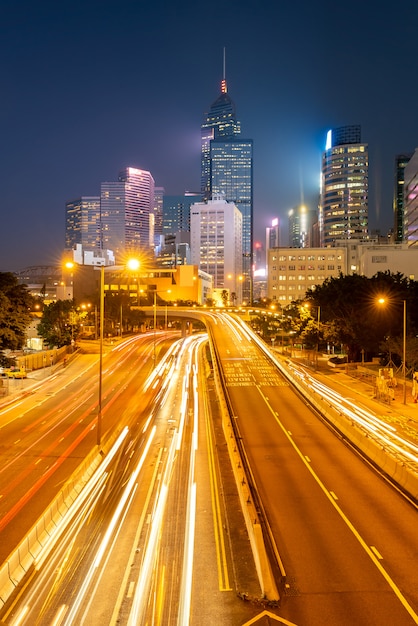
(94, 88)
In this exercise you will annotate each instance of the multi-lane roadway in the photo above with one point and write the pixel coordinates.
(155, 539)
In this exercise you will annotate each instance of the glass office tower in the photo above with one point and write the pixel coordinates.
(344, 186)
(232, 178)
(401, 162)
(227, 171)
(220, 122)
(126, 207)
(82, 223)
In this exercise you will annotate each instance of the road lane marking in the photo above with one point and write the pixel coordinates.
(376, 552)
(223, 575)
(130, 589)
(348, 523)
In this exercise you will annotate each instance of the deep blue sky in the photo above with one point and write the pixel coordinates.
(90, 87)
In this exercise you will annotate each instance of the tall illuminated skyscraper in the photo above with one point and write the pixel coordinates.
(301, 222)
(215, 241)
(411, 201)
(82, 223)
(343, 210)
(157, 233)
(401, 162)
(227, 171)
(126, 207)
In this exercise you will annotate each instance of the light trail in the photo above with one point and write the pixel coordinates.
(121, 508)
(148, 575)
(384, 434)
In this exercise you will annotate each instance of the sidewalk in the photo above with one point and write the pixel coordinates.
(17, 388)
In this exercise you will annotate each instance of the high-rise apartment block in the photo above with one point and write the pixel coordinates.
(227, 170)
(126, 206)
(344, 187)
(216, 238)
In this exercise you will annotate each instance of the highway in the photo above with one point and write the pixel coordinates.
(346, 537)
(110, 536)
(146, 541)
(46, 434)
(157, 538)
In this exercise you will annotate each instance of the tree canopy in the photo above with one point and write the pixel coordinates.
(15, 316)
(57, 326)
(351, 314)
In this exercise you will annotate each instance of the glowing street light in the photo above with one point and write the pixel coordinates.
(383, 301)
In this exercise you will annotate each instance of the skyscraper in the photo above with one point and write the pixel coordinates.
(158, 216)
(301, 222)
(227, 170)
(343, 210)
(216, 237)
(219, 123)
(411, 201)
(401, 161)
(82, 223)
(273, 235)
(126, 206)
(176, 212)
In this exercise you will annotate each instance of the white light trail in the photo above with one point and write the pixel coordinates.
(121, 508)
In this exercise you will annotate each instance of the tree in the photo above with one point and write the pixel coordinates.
(15, 307)
(352, 316)
(56, 325)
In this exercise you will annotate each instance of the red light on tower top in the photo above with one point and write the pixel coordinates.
(223, 86)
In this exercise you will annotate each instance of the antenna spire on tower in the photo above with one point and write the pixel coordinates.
(223, 84)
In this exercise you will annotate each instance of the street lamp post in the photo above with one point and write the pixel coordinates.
(99, 412)
(133, 264)
(382, 301)
(155, 317)
(404, 352)
(155, 321)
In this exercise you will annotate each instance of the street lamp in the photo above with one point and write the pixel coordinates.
(382, 301)
(132, 264)
(99, 412)
(166, 326)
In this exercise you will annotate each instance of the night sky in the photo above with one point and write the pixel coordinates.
(91, 87)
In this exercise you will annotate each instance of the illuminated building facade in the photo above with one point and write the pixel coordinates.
(220, 123)
(344, 187)
(301, 223)
(227, 170)
(215, 242)
(273, 234)
(82, 222)
(291, 272)
(411, 201)
(157, 223)
(176, 212)
(401, 161)
(126, 207)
